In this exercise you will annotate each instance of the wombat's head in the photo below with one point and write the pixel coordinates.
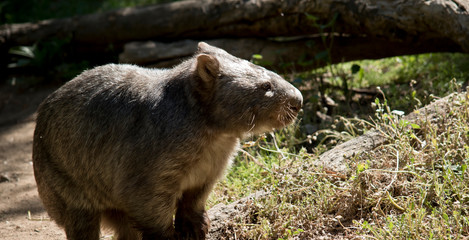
(240, 96)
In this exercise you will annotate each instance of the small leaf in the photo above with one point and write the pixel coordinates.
(390, 225)
(445, 216)
(362, 167)
(361, 73)
(298, 231)
(355, 68)
(415, 126)
(403, 123)
(24, 51)
(311, 17)
(257, 56)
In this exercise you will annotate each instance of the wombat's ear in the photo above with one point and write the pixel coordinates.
(203, 47)
(208, 69)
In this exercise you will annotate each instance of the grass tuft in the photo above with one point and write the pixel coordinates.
(416, 186)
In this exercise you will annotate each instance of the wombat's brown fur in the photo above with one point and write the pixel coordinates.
(132, 146)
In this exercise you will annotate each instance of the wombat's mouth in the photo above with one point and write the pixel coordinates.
(265, 120)
(276, 120)
(286, 116)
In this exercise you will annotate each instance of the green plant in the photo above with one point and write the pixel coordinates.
(413, 187)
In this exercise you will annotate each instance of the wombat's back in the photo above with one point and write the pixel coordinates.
(100, 129)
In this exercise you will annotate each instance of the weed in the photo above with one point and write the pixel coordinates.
(414, 187)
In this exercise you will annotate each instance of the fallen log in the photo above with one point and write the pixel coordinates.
(335, 159)
(282, 56)
(439, 25)
(222, 215)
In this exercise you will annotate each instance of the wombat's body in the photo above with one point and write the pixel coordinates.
(132, 146)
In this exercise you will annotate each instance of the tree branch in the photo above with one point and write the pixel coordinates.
(406, 21)
(282, 56)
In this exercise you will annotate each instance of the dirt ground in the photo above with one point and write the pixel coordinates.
(21, 213)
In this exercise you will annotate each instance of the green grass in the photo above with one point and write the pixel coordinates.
(400, 69)
(416, 186)
(426, 74)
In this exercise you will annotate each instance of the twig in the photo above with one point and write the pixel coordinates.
(255, 160)
(278, 151)
(394, 203)
(30, 218)
(395, 173)
(277, 148)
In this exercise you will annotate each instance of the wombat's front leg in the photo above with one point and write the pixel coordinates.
(161, 230)
(152, 213)
(81, 224)
(192, 221)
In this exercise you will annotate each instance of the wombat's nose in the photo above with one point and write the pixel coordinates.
(296, 100)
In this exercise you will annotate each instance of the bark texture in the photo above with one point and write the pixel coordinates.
(281, 56)
(362, 28)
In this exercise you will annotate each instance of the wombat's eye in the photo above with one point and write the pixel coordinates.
(267, 86)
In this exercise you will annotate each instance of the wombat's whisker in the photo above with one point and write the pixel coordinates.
(252, 123)
(248, 111)
(252, 127)
(252, 119)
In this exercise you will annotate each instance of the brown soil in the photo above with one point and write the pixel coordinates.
(21, 213)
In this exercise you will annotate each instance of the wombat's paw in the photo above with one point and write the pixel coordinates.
(152, 236)
(192, 226)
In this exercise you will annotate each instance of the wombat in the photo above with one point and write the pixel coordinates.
(140, 149)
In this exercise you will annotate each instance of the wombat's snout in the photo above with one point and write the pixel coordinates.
(295, 100)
